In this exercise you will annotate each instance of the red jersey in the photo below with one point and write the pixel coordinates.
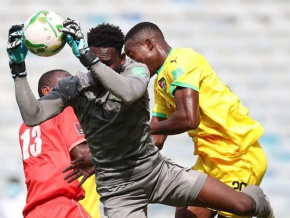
(45, 153)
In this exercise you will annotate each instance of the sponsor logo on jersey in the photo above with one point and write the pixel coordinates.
(177, 73)
(174, 61)
(79, 128)
(138, 71)
(162, 84)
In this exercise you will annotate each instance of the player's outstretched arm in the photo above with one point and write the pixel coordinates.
(32, 111)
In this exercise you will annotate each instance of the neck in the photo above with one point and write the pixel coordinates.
(163, 51)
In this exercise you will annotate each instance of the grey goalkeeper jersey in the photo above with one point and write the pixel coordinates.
(118, 133)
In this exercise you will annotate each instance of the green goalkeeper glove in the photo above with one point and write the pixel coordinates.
(17, 51)
(75, 39)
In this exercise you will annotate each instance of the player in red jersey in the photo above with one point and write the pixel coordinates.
(46, 150)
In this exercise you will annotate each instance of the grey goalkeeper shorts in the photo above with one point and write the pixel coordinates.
(168, 184)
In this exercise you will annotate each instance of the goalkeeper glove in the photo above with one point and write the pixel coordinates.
(17, 51)
(75, 39)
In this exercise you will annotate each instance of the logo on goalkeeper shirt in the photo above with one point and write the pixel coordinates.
(162, 84)
(139, 71)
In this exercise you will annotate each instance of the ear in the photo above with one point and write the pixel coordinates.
(123, 58)
(149, 44)
(45, 90)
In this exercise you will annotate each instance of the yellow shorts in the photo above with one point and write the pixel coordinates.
(249, 169)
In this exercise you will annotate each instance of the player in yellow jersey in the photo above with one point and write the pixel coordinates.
(189, 97)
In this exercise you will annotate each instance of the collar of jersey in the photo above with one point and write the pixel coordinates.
(161, 68)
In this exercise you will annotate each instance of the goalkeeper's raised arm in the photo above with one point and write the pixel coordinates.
(128, 87)
(33, 111)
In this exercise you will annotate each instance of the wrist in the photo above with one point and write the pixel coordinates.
(88, 59)
(22, 74)
(18, 70)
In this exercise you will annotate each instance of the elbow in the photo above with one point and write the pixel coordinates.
(128, 101)
(132, 95)
(159, 140)
(159, 145)
(192, 123)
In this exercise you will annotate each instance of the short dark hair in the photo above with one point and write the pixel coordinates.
(48, 79)
(106, 35)
(142, 27)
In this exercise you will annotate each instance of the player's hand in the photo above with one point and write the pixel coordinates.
(81, 166)
(74, 36)
(75, 39)
(17, 51)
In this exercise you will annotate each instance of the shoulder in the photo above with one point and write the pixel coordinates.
(184, 58)
(183, 54)
(67, 81)
(66, 86)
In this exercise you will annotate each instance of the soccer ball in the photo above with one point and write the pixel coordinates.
(42, 33)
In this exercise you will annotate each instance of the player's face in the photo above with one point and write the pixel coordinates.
(136, 51)
(109, 56)
(139, 52)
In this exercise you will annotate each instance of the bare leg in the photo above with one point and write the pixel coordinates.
(194, 212)
(218, 196)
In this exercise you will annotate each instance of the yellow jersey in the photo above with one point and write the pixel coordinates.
(91, 202)
(225, 131)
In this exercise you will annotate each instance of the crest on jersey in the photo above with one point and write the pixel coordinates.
(79, 128)
(162, 84)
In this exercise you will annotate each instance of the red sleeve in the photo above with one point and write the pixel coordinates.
(70, 128)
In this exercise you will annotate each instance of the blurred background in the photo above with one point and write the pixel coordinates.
(247, 43)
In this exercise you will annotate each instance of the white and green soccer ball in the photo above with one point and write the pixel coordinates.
(42, 33)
